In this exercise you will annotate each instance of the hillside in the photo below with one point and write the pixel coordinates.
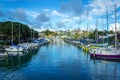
(6, 32)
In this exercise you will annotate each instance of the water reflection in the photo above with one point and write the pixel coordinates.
(61, 61)
(18, 60)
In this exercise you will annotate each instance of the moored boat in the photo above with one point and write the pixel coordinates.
(106, 53)
(109, 52)
(14, 49)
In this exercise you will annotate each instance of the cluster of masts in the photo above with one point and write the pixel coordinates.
(107, 25)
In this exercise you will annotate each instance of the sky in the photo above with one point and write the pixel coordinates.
(61, 14)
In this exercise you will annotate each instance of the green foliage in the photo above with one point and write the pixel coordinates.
(76, 36)
(92, 35)
(68, 33)
(6, 31)
(48, 32)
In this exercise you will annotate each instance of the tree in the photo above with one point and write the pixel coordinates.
(76, 36)
(25, 31)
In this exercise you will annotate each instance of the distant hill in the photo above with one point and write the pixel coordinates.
(6, 32)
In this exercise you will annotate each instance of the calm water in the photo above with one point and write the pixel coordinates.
(61, 61)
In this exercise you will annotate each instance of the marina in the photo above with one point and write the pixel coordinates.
(59, 40)
(16, 51)
(55, 61)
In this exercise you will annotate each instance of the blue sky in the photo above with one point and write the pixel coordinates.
(60, 14)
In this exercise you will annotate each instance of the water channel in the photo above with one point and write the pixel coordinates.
(61, 61)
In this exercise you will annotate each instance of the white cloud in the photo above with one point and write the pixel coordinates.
(98, 7)
(43, 29)
(67, 20)
(75, 13)
(55, 12)
(76, 18)
(33, 14)
(112, 27)
(46, 10)
(117, 14)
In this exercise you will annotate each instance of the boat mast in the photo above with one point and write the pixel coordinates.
(97, 32)
(12, 34)
(107, 24)
(87, 31)
(31, 34)
(115, 28)
(19, 33)
(87, 25)
(103, 29)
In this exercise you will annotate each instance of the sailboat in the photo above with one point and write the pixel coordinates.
(109, 52)
(96, 45)
(31, 45)
(14, 48)
(90, 46)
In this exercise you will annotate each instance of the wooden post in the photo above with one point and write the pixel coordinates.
(6, 57)
(94, 54)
